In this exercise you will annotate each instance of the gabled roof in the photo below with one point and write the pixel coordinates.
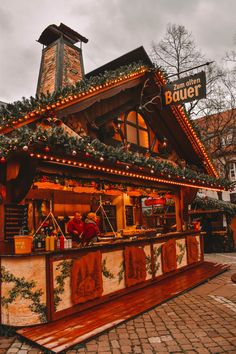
(136, 55)
(122, 81)
(54, 32)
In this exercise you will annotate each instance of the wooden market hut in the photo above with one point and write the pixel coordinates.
(100, 139)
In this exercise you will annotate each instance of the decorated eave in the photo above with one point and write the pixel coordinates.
(21, 113)
(187, 127)
(55, 145)
(49, 106)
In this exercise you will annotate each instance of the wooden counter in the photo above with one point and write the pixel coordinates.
(50, 285)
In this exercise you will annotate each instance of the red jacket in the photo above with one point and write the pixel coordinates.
(75, 225)
(91, 231)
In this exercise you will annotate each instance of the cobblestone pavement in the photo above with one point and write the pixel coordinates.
(202, 320)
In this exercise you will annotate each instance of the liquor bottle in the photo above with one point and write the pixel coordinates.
(62, 242)
(55, 242)
(39, 242)
(52, 243)
(43, 242)
(47, 243)
(69, 242)
(66, 243)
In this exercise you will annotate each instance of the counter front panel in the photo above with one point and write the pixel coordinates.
(51, 285)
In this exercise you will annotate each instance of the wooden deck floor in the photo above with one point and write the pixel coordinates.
(62, 334)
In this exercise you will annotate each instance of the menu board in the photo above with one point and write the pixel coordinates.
(129, 215)
(16, 220)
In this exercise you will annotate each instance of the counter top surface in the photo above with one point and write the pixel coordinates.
(114, 243)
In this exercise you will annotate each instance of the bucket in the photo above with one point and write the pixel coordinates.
(23, 244)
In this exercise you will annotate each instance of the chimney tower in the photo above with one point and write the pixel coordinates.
(61, 62)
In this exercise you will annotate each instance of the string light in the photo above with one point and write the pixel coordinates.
(72, 99)
(129, 174)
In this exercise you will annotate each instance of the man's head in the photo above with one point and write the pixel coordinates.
(77, 215)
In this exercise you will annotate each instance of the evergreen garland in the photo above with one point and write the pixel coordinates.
(23, 289)
(65, 271)
(208, 203)
(121, 272)
(156, 258)
(13, 111)
(58, 140)
(182, 249)
(105, 271)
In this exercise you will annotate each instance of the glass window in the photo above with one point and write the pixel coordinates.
(232, 171)
(132, 134)
(143, 138)
(136, 130)
(132, 117)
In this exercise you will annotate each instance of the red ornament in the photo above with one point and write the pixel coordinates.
(87, 154)
(2, 160)
(46, 149)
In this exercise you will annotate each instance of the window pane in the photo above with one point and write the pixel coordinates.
(141, 122)
(132, 117)
(143, 138)
(131, 134)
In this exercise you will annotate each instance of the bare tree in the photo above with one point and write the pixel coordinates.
(178, 52)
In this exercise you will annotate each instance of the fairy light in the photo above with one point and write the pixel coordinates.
(132, 175)
(74, 98)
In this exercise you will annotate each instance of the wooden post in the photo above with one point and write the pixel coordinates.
(178, 211)
(2, 201)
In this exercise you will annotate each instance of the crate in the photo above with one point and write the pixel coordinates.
(23, 244)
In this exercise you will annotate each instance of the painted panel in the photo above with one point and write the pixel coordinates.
(113, 271)
(29, 297)
(168, 253)
(86, 278)
(135, 265)
(157, 247)
(181, 253)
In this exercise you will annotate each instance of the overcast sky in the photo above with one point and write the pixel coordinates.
(113, 27)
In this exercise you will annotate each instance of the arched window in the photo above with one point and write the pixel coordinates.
(136, 130)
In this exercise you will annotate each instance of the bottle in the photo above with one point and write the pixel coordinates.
(47, 243)
(35, 241)
(69, 242)
(43, 242)
(62, 242)
(51, 243)
(55, 242)
(58, 243)
(39, 242)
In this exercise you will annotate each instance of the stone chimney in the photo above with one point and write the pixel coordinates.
(62, 62)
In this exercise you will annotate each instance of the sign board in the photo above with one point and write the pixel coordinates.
(150, 202)
(185, 90)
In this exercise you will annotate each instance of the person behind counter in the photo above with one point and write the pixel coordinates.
(75, 227)
(91, 229)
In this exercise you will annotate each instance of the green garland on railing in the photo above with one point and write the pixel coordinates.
(23, 289)
(208, 203)
(56, 138)
(14, 111)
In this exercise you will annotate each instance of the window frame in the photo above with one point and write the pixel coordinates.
(138, 129)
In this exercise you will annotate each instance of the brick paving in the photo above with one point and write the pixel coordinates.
(202, 320)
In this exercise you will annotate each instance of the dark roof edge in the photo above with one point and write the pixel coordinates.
(53, 32)
(136, 55)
